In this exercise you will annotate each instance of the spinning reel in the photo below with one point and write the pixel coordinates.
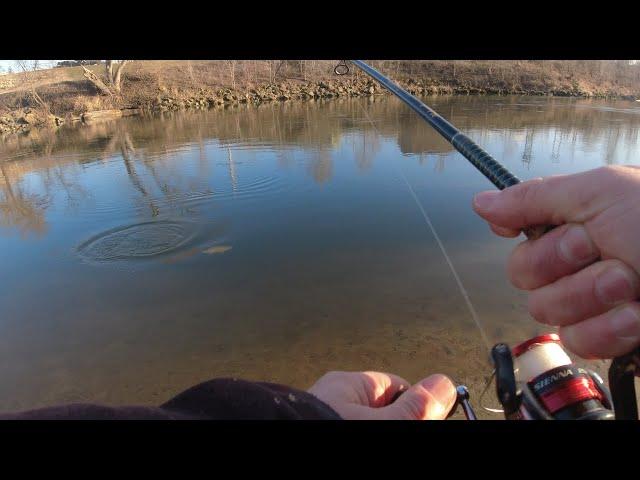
(536, 380)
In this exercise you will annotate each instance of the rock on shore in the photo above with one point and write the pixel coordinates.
(23, 120)
(163, 100)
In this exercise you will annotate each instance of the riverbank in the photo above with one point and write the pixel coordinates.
(163, 86)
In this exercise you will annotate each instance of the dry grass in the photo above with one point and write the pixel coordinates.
(66, 91)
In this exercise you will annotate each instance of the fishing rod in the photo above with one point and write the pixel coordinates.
(496, 173)
(536, 380)
(488, 166)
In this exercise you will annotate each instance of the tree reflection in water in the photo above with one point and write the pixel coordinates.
(155, 143)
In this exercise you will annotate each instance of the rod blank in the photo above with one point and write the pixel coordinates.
(485, 163)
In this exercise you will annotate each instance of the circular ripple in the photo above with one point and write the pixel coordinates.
(257, 188)
(138, 241)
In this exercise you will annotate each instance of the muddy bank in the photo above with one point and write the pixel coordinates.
(171, 99)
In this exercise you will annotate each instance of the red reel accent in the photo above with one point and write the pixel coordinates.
(524, 346)
(571, 391)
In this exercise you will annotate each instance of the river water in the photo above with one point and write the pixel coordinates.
(142, 256)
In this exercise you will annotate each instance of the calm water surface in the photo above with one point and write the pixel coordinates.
(142, 256)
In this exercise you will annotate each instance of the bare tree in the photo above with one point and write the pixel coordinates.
(232, 71)
(303, 69)
(190, 71)
(97, 82)
(29, 68)
(273, 69)
(115, 71)
(113, 74)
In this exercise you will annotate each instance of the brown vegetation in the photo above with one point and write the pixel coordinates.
(70, 92)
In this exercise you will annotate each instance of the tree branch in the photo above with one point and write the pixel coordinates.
(93, 78)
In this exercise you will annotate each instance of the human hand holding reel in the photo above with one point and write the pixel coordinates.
(536, 380)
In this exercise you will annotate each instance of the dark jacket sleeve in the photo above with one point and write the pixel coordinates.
(218, 399)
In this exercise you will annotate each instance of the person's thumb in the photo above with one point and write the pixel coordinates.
(430, 399)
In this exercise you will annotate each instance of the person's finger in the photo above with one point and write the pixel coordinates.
(585, 294)
(550, 201)
(609, 335)
(560, 252)
(381, 388)
(430, 399)
(504, 232)
(370, 389)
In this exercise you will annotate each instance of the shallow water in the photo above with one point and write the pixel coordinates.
(142, 256)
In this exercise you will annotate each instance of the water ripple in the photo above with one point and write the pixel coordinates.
(137, 241)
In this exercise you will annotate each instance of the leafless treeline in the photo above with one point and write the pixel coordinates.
(61, 91)
(621, 77)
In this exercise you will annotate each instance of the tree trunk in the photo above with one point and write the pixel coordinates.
(232, 72)
(109, 67)
(99, 84)
(116, 77)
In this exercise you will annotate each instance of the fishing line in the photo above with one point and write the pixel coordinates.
(486, 388)
(463, 290)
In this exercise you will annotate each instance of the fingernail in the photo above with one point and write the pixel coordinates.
(625, 323)
(614, 286)
(442, 389)
(576, 247)
(484, 200)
